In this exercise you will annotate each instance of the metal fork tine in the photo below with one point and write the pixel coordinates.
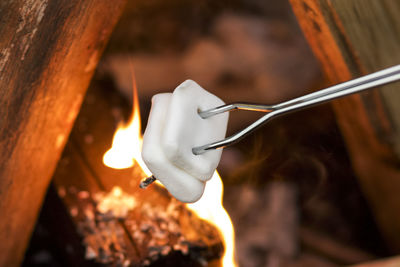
(369, 81)
(235, 106)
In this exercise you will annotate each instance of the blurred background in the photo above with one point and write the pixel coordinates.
(289, 188)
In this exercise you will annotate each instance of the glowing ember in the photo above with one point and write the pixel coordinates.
(126, 150)
(116, 202)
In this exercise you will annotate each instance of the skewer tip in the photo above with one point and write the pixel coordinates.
(147, 181)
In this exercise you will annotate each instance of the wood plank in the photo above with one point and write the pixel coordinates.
(48, 52)
(159, 230)
(351, 38)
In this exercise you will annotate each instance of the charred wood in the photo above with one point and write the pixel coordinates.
(124, 225)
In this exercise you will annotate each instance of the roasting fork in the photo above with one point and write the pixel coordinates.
(366, 82)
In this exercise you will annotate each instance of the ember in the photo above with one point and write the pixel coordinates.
(117, 202)
(103, 238)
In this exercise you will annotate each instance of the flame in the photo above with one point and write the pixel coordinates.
(127, 142)
(126, 150)
(211, 209)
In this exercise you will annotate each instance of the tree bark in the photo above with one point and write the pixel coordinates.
(48, 52)
(351, 38)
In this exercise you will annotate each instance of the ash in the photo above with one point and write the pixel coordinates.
(159, 230)
(103, 219)
(98, 224)
(117, 202)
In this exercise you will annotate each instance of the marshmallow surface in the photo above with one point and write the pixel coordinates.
(180, 184)
(185, 129)
(174, 128)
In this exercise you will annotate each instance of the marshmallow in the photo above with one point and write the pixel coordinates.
(180, 184)
(174, 128)
(185, 129)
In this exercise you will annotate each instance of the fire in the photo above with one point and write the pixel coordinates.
(126, 151)
(210, 208)
(127, 142)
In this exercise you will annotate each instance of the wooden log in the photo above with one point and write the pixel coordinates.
(76, 186)
(48, 52)
(389, 262)
(351, 38)
(331, 249)
(157, 231)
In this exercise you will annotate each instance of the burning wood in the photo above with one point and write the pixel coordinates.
(125, 226)
(117, 202)
(158, 229)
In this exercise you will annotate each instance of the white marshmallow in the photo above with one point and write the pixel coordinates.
(185, 129)
(179, 183)
(173, 129)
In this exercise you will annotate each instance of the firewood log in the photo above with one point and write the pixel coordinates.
(48, 52)
(389, 262)
(351, 38)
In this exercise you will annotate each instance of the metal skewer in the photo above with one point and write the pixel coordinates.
(147, 181)
(369, 81)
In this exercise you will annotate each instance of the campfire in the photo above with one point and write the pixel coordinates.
(317, 187)
(115, 221)
(125, 152)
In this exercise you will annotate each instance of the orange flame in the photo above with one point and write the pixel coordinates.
(211, 209)
(126, 150)
(127, 142)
